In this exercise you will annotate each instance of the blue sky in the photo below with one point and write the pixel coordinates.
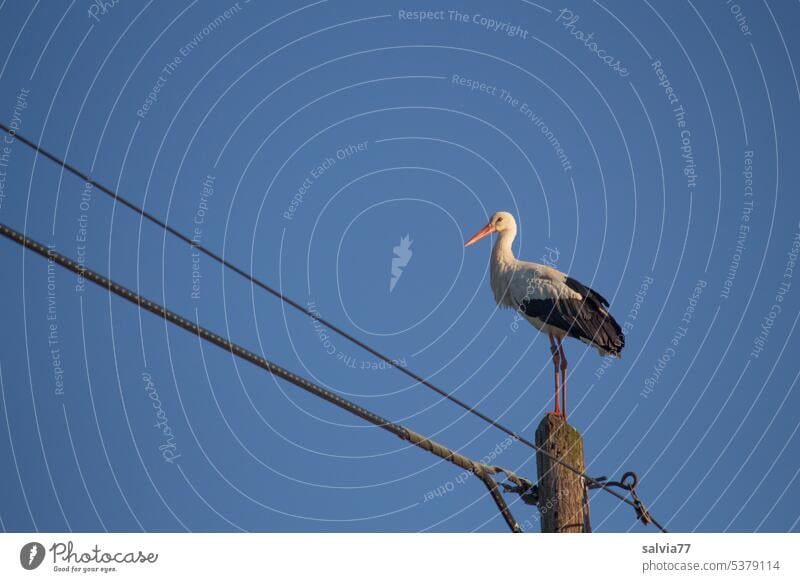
(647, 149)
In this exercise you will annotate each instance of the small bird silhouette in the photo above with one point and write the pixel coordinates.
(402, 256)
(34, 550)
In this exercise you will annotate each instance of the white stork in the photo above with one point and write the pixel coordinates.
(551, 301)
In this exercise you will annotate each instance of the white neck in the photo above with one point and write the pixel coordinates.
(502, 267)
(502, 247)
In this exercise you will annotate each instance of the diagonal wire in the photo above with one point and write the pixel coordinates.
(481, 470)
(592, 482)
(269, 289)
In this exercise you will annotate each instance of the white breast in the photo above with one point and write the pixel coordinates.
(514, 282)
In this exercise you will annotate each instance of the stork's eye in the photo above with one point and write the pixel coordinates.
(499, 218)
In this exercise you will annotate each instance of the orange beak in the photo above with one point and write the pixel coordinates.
(485, 231)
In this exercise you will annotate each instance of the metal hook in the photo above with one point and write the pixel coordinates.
(628, 481)
(628, 476)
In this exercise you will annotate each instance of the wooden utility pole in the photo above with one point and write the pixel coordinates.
(563, 499)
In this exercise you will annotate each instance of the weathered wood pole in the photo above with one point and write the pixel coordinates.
(563, 498)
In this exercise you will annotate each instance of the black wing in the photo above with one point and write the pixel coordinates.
(584, 319)
(587, 292)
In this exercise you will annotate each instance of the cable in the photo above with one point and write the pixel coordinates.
(481, 470)
(252, 279)
(592, 482)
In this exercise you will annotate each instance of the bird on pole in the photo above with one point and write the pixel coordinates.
(553, 302)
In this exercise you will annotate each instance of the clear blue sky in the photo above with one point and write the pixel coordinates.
(650, 150)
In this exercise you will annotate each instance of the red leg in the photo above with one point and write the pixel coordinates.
(556, 364)
(563, 362)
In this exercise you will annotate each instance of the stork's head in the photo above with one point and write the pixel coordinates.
(499, 222)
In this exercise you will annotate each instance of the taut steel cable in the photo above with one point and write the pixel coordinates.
(481, 470)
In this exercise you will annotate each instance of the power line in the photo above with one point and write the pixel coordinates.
(591, 481)
(481, 470)
(252, 279)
